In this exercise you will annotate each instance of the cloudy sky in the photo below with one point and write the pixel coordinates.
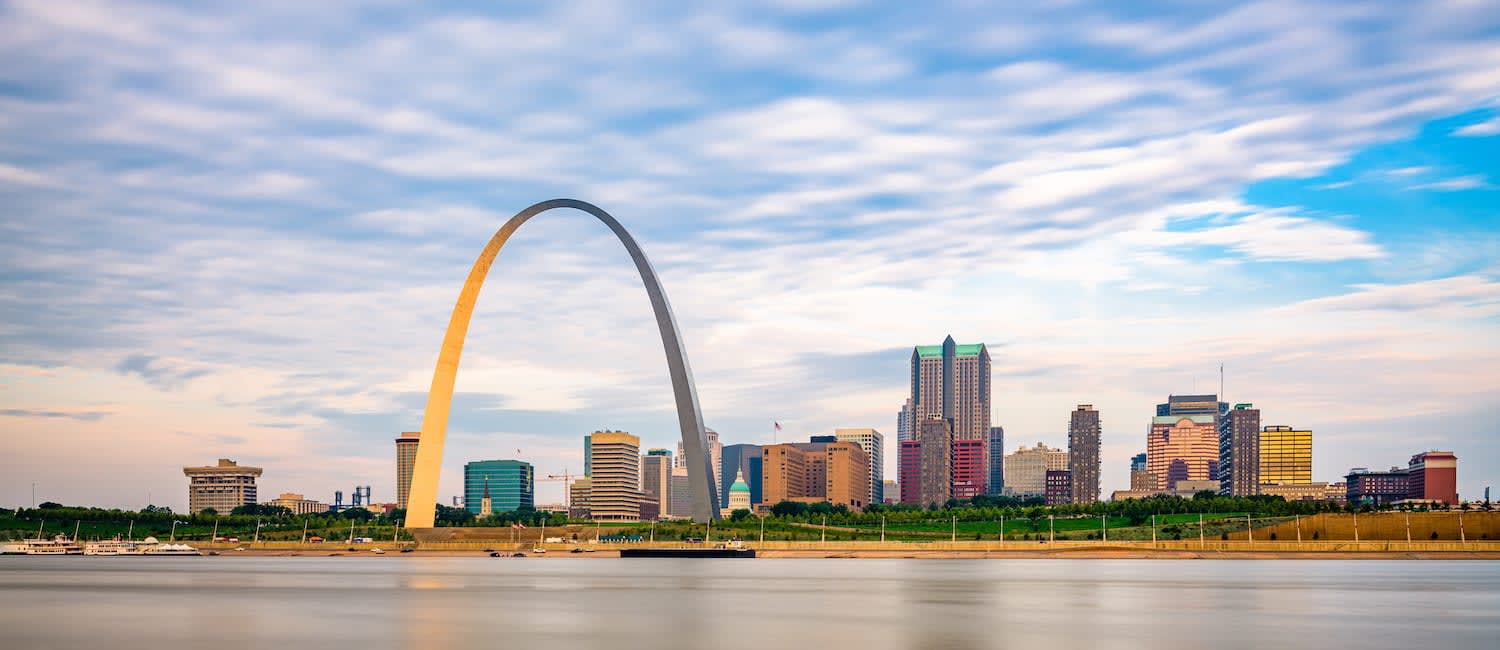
(238, 231)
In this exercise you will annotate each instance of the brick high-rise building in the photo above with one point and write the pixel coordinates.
(223, 487)
(1285, 456)
(783, 473)
(615, 467)
(1183, 448)
(1083, 454)
(1239, 451)
(406, 457)
(935, 476)
(1433, 476)
(996, 482)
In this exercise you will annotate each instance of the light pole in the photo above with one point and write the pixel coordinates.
(1249, 530)
(824, 540)
(955, 528)
(1103, 529)
(1408, 527)
(173, 537)
(653, 531)
(1356, 526)
(762, 529)
(1002, 527)
(1201, 545)
(1051, 528)
(882, 528)
(304, 530)
(257, 533)
(1461, 538)
(1298, 519)
(1153, 530)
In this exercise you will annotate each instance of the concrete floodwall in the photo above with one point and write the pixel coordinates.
(1384, 526)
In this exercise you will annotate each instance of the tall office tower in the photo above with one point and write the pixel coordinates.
(846, 469)
(783, 473)
(1183, 447)
(1026, 469)
(1239, 451)
(223, 487)
(892, 491)
(1433, 476)
(406, 456)
(739, 460)
(680, 495)
(935, 476)
(616, 491)
(909, 472)
(1083, 454)
(511, 483)
(656, 480)
(952, 382)
(1285, 456)
(996, 482)
(1140, 477)
(903, 422)
(873, 444)
(715, 452)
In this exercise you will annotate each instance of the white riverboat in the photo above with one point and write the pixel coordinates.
(13, 548)
(59, 545)
(109, 547)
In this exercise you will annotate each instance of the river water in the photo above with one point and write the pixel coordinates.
(547, 603)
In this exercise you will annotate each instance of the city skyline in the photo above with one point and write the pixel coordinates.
(1114, 203)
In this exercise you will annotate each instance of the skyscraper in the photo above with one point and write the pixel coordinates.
(996, 483)
(1183, 447)
(1026, 469)
(656, 480)
(1083, 454)
(1192, 405)
(588, 455)
(909, 472)
(783, 473)
(511, 485)
(952, 382)
(616, 472)
(873, 444)
(846, 471)
(1285, 456)
(1239, 451)
(406, 456)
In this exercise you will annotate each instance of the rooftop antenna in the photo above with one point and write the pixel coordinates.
(1221, 382)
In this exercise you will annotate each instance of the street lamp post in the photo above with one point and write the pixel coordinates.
(1201, 544)
(882, 528)
(955, 529)
(1051, 528)
(1153, 530)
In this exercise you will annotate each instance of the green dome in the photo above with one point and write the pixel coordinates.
(739, 483)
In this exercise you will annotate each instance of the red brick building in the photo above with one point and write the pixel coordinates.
(1433, 476)
(909, 474)
(970, 469)
(1059, 487)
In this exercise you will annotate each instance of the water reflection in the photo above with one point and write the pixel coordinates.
(663, 604)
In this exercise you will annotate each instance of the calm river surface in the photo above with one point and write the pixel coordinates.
(544, 603)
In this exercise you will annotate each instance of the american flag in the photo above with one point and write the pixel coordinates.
(778, 425)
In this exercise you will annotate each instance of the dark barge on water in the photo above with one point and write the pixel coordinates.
(688, 552)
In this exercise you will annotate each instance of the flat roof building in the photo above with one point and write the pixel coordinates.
(1285, 456)
(1183, 448)
(1433, 476)
(223, 487)
(511, 485)
(406, 458)
(615, 494)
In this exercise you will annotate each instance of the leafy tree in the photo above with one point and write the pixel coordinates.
(740, 514)
(208, 512)
(789, 509)
(453, 516)
(49, 505)
(357, 514)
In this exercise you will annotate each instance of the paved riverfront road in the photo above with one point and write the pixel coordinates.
(362, 603)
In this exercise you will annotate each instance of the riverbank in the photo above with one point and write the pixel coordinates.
(1074, 553)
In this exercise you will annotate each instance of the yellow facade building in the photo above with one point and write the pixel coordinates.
(1285, 456)
(615, 494)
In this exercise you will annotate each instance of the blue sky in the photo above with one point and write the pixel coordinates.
(237, 231)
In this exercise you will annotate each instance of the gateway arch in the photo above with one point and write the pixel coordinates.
(422, 502)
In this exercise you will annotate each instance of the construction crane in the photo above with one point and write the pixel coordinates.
(567, 480)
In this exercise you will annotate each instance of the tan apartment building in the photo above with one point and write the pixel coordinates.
(616, 472)
(1026, 469)
(846, 471)
(223, 487)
